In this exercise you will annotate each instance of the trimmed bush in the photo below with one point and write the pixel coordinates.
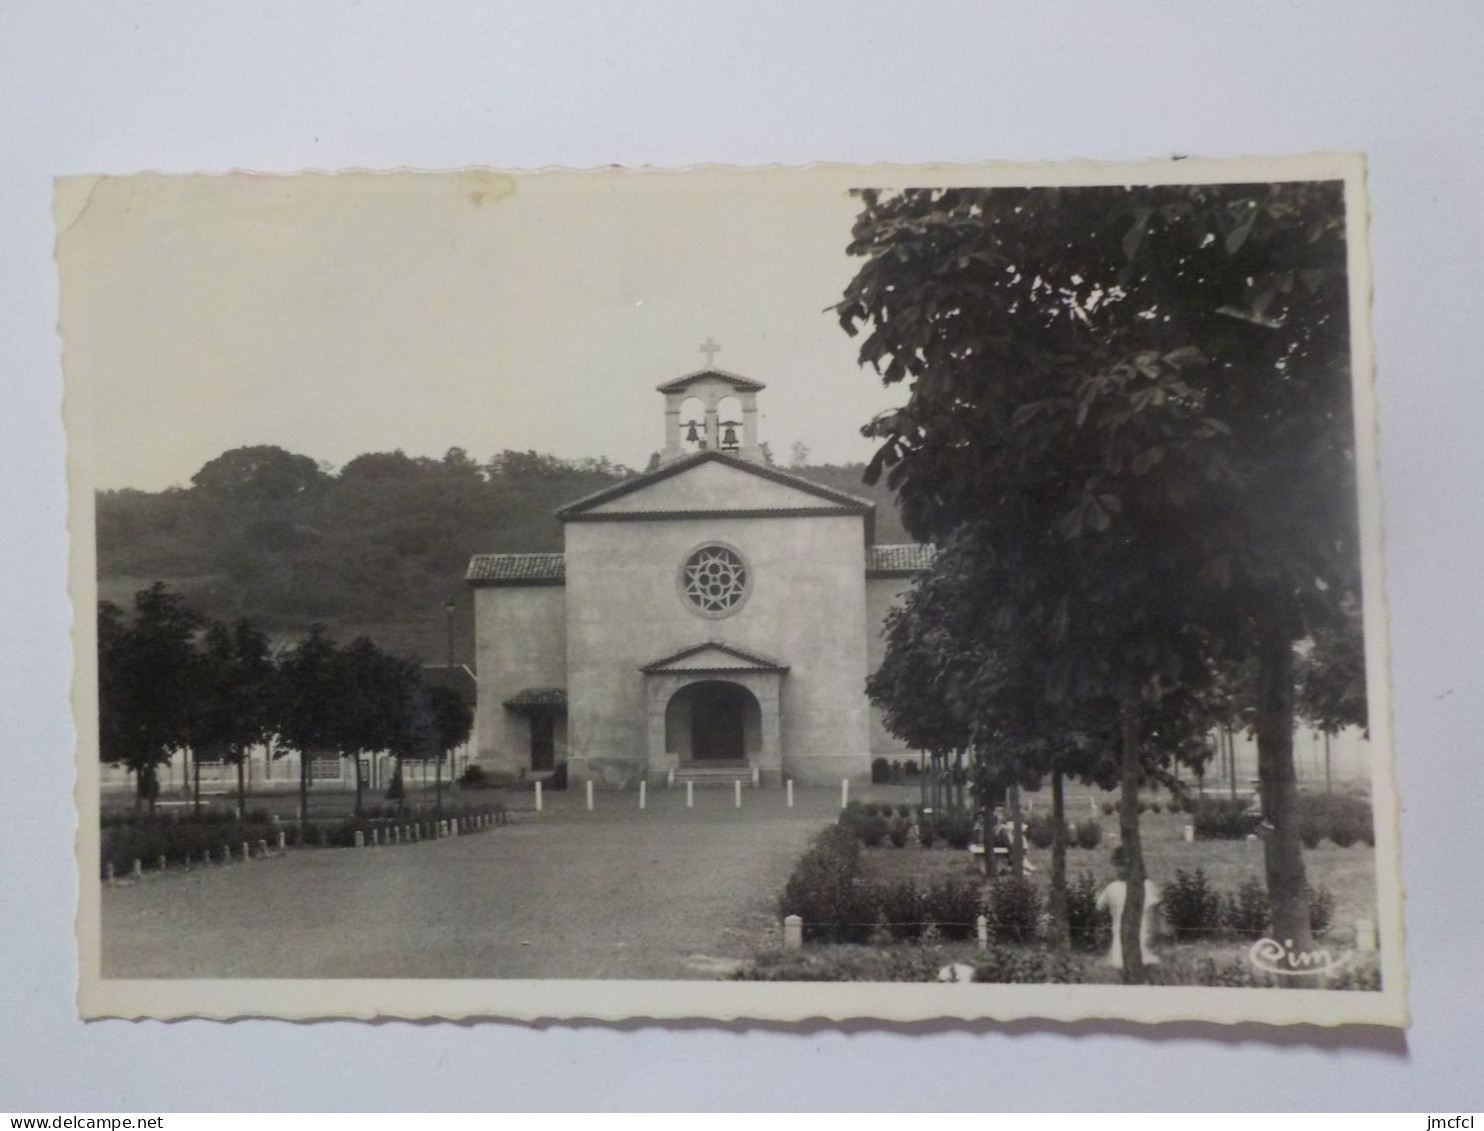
(911, 768)
(1014, 910)
(1086, 925)
(1217, 818)
(1109, 808)
(1321, 909)
(902, 906)
(927, 832)
(823, 892)
(1040, 830)
(955, 906)
(1344, 832)
(1191, 906)
(1156, 807)
(957, 829)
(880, 771)
(1089, 833)
(898, 831)
(872, 831)
(474, 777)
(1246, 911)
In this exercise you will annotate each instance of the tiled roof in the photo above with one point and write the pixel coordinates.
(551, 698)
(899, 559)
(516, 569)
(736, 381)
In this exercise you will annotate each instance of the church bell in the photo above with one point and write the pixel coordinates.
(729, 437)
(692, 436)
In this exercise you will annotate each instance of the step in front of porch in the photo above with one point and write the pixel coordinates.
(713, 775)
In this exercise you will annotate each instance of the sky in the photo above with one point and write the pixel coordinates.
(335, 314)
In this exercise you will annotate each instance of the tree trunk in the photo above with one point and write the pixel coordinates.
(241, 786)
(196, 785)
(1133, 850)
(1231, 758)
(1288, 897)
(1017, 843)
(1061, 934)
(1329, 785)
(360, 784)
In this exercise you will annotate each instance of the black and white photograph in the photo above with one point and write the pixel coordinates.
(887, 592)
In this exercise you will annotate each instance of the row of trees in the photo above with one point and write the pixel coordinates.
(169, 680)
(1128, 428)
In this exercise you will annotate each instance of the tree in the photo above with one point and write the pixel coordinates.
(232, 697)
(264, 472)
(308, 703)
(1143, 394)
(143, 667)
(453, 722)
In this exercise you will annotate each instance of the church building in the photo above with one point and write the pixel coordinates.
(713, 618)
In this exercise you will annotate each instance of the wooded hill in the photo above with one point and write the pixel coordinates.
(374, 549)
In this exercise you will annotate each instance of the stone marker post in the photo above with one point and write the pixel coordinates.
(589, 795)
(737, 791)
(160, 863)
(538, 797)
(789, 789)
(246, 851)
(981, 932)
(263, 847)
(844, 792)
(793, 933)
(283, 840)
(360, 839)
(138, 869)
(1189, 831)
(641, 793)
(690, 794)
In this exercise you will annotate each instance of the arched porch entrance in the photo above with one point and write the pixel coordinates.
(713, 722)
(715, 704)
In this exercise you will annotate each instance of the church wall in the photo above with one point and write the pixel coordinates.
(806, 609)
(882, 595)
(522, 643)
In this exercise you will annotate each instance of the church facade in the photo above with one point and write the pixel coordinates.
(713, 617)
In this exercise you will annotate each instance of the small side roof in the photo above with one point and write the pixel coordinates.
(899, 559)
(517, 569)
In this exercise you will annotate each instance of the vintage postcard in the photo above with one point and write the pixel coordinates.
(740, 594)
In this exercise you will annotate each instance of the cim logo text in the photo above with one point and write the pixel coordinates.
(1283, 959)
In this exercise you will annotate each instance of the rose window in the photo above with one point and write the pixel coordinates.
(714, 580)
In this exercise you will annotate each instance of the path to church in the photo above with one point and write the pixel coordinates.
(666, 893)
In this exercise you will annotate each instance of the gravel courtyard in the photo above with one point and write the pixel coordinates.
(616, 893)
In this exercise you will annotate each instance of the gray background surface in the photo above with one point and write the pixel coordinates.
(121, 87)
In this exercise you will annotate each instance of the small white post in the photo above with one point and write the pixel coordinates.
(641, 793)
(757, 777)
(283, 840)
(538, 797)
(263, 847)
(981, 932)
(690, 794)
(737, 792)
(375, 838)
(793, 933)
(246, 852)
(110, 871)
(360, 839)
(138, 871)
(789, 789)
(162, 864)
(1190, 831)
(670, 778)
(1365, 936)
(589, 795)
(844, 792)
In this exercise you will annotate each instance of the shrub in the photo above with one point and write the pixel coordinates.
(558, 779)
(1109, 808)
(1007, 964)
(872, 831)
(474, 777)
(1344, 831)
(910, 768)
(1014, 910)
(822, 889)
(897, 832)
(903, 908)
(1089, 833)
(957, 829)
(955, 906)
(1192, 908)
(880, 771)
(1218, 818)
(1156, 807)
(1086, 926)
(395, 790)
(927, 832)
(868, 809)
(1040, 830)
(1310, 831)
(885, 964)
(1246, 911)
